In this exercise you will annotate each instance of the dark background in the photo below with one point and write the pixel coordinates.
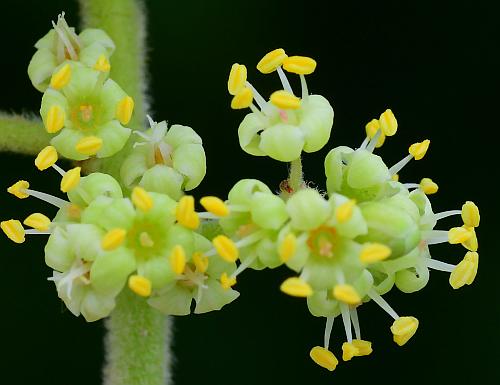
(434, 63)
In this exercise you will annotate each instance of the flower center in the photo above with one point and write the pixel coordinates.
(322, 241)
(147, 239)
(191, 277)
(86, 112)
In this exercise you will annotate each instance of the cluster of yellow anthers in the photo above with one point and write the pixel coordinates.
(277, 60)
(39, 222)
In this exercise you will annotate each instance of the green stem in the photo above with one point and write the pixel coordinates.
(137, 347)
(22, 135)
(124, 21)
(295, 179)
(136, 343)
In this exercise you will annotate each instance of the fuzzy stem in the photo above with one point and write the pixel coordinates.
(124, 21)
(136, 343)
(295, 179)
(22, 134)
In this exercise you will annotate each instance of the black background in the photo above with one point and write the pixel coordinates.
(434, 63)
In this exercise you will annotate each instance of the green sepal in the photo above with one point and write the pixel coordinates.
(412, 280)
(248, 135)
(162, 179)
(114, 136)
(334, 168)
(214, 297)
(85, 240)
(307, 209)
(316, 121)
(95, 306)
(321, 304)
(366, 170)
(173, 300)
(268, 210)
(158, 271)
(58, 251)
(243, 191)
(109, 213)
(190, 161)
(110, 271)
(283, 142)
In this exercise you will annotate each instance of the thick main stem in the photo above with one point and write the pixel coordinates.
(22, 135)
(137, 342)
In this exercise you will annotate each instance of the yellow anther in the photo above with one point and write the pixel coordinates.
(74, 211)
(471, 243)
(140, 285)
(349, 351)
(200, 261)
(226, 248)
(300, 65)
(141, 199)
(71, 179)
(419, 149)
(403, 329)
(428, 186)
(14, 230)
(237, 78)
(54, 121)
(185, 213)
(38, 221)
(46, 158)
(227, 282)
(178, 259)
(344, 211)
(470, 214)
(296, 287)
(102, 64)
(145, 240)
(113, 239)
(61, 77)
(285, 100)
(215, 206)
(243, 99)
(347, 294)
(459, 234)
(465, 272)
(124, 109)
(324, 358)
(374, 252)
(288, 247)
(372, 128)
(18, 189)
(388, 123)
(364, 347)
(271, 61)
(89, 145)
(395, 177)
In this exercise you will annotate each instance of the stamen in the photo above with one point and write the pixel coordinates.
(271, 61)
(140, 285)
(346, 318)
(303, 86)
(398, 166)
(113, 239)
(58, 202)
(470, 214)
(14, 230)
(250, 239)
(344, 211)
(459, 235)
(465, 272)
(18, 189)
(242, 99)
(145, 240)
(54, 121)
(284, 80)
(382, 303)
(446, 214)
(237, 78)
(61, 77)
(288, 247)
(89, 145)
(403, 329)
(388, 123)
(59, 170)
(349, 351)
(300, 65)
(66, 279)
(102, 64)
(374, 252)
(124, 110)
(438, 265)
(296, 287)
(141, 199)
(428, 186)
(200, 262)
(227, 282)
(364, 143)
(215, 206)
(46, 158)
(355, 322)
(347, 294)
(261, 102)
(419, 149)
(243, 266)
(64, 39)
(435, 237)
(324, 358)
(178, 259)
(38, 221)
(377, 141)
(226, 248)
(71, 179)
(185, 213)
(328, 331)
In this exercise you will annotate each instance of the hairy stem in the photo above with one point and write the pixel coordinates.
(295, 179)
(124, 21)
(24, 135)
(136, 343)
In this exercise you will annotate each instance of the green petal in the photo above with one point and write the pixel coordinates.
(134, 166)
(364, 283)
(248, 134)
(267, 252)
(243, 191)
(73, 304)
(412, 280)
(163, 210)
(214, 297)
(163, 179)
(111, 94)
(179, 235)
(92, 186)
(383, 282)
(40, 69)
(114, 136)
(65, 143)
(174, 300)
(110, 271)
(93, 35)
(307, 209)
(110, 213)
(354, 226)
(320, 305)
(232, 223)
(282, 142)
(201, 243)
(58, 251)
(178, 135)
(366, 170)
(217, 266)
(95, 306)
(157, 270)
(85, 240)
(50, 98)
(82, 83)
(316, 122)
(334, 168)
(268, 211)
(48, 41)
(189, 160)
(91, 53)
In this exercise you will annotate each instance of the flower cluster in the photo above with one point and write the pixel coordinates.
(368, 233)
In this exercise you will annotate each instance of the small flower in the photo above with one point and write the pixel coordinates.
(92, 48)
(286, 125)
(167, 160)
(87, 112)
